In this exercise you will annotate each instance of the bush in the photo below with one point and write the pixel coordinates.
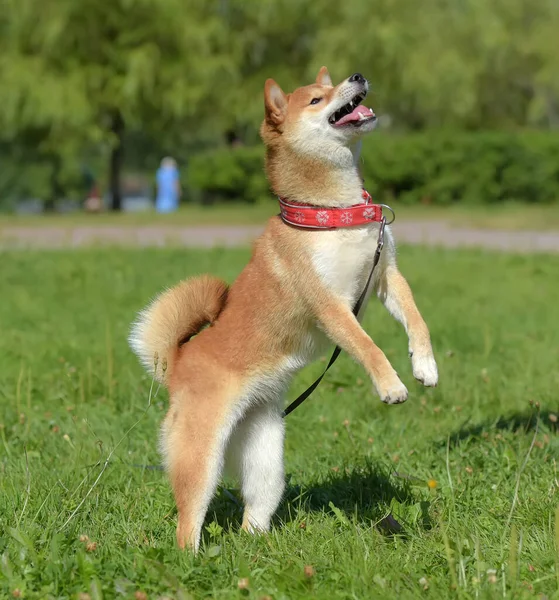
(28, 173)
(22, 180)
(228, 174)
(444, 168)
(430, 167)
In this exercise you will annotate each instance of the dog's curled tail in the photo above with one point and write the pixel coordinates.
(173, 318)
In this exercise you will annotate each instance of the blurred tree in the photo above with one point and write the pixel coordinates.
(465, 63)
(86, 71)
(81, 77)
(270, 38)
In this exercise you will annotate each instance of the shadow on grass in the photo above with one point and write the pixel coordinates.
(516, 422)
(359, 495)
(363, 493)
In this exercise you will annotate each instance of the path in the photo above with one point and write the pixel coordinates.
(429, 233)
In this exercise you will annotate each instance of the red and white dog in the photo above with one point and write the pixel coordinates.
(227, 381)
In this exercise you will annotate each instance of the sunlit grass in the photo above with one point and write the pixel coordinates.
(453, 494)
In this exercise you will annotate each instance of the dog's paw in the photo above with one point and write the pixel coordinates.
(394, 393)
(425, 369)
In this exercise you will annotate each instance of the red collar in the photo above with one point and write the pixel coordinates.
(318, 217)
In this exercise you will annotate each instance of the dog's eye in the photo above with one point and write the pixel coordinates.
(316, 100)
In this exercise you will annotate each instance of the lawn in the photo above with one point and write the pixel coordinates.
(453, 494)
(509, 216)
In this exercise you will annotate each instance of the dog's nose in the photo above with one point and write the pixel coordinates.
(357, 78)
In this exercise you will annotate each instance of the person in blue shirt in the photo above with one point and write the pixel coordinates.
(168, 186)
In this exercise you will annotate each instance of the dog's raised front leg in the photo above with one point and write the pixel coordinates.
(342, 327)
(396, 295)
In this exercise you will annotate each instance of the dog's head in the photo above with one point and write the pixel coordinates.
(317, 119)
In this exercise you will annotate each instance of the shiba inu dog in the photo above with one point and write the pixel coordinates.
(227, 354)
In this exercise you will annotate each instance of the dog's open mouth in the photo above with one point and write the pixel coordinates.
(353, 113)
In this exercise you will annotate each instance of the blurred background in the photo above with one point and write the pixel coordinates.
(95, 94)
(134, 123)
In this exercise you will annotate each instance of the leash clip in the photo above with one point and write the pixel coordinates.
(380, 243)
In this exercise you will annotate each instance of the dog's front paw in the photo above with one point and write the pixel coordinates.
(394, 392)
(425, 369)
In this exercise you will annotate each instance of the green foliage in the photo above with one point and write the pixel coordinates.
(467, 63)
(71, 70)
(70, 388)
(433, 167)
(32, 168)
(71, 65)
(228, 175)
(183, 72)
(24, 179)
(443, 168)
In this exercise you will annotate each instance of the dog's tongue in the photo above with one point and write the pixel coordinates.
(358, 113)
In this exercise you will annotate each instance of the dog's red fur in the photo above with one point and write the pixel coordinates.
(226, 384)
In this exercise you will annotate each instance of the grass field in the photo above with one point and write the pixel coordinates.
(508, 216)
(453, 494)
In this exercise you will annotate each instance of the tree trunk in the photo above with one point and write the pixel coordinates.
(56, 191)
(117, 156)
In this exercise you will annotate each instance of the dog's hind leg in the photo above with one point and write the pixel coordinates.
(194, 439)
(256, 453)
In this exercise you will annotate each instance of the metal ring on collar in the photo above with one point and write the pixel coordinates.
(393, 214)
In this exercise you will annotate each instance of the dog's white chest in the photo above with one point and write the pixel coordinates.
(343, 259)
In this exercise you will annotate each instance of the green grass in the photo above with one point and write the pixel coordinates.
(510, 216)
(70, 392)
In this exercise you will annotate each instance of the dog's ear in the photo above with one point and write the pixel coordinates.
(275, 102)
(323, 77)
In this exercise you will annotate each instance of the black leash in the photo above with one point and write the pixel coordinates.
(298, 401)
